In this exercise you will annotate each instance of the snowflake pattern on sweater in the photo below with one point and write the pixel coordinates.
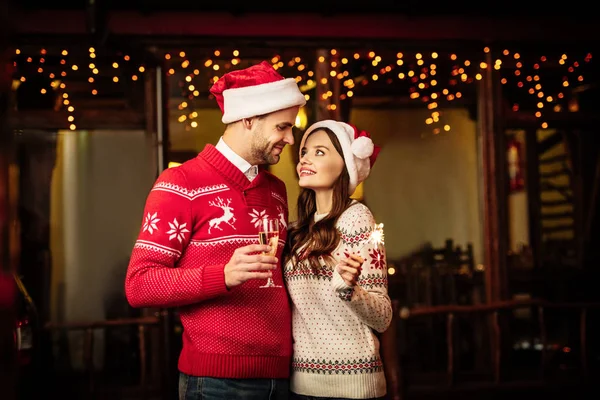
(336, 352)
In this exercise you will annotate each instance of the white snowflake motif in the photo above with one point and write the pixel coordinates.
(257, 216)
(150, 223)
(177, 230)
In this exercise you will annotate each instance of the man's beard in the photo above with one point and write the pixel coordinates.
(262, 152)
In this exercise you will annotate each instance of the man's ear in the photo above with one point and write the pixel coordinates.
(247, 122)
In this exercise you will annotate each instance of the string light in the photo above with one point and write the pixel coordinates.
(59, 71)
(428, 84)
(434, 79)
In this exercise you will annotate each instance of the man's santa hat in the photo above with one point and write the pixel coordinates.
(359, 151)
(256, 90)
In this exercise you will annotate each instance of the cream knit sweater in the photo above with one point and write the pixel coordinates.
(336, 353)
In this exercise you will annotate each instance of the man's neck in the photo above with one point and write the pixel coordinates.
(236, 142)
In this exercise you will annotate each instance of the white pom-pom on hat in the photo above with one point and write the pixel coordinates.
(362, 147)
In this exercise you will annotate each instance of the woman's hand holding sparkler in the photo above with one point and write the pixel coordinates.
(350, 268)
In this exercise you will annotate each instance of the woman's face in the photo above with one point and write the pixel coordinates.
(320, 164)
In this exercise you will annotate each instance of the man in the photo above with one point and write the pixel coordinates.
(198, 246)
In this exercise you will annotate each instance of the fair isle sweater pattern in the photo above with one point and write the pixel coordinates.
(336, 350)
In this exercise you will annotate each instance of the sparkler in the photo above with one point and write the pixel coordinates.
(376, 237)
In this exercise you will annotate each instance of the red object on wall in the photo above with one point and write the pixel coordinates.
(515, 165)
(7, 291)
(6, 71)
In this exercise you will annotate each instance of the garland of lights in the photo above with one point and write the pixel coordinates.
(427, 83)
(57, 75)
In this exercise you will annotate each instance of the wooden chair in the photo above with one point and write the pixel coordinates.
(441, 276)
(435, 276)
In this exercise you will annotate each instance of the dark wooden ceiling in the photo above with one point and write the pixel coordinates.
(327, 7)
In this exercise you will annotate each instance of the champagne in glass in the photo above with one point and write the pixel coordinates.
(268, 233)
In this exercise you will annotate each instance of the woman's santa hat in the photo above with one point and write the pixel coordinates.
(256, 90)
(359, 151)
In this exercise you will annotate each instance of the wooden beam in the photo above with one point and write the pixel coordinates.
(51, 22)
(8, 361)
(85, 119)
(312, 25)
(493, 166)
(404, 102)
(6, 148)
(316, 26)
(523, 119)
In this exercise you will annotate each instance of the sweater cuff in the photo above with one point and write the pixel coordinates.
(213, 281)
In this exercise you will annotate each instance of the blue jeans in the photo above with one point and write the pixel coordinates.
(203, 388)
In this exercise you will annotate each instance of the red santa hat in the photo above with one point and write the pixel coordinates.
(359, 151)
(256, 90)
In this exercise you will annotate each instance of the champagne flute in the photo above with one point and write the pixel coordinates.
(268, 233)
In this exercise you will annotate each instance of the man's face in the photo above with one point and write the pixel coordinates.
(270, 134)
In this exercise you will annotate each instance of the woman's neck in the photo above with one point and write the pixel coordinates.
(324, 200)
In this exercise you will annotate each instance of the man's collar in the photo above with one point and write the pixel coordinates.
(232, 156)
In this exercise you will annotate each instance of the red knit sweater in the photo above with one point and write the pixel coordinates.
(195, 216)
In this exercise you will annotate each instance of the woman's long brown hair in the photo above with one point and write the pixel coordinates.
(320, 238)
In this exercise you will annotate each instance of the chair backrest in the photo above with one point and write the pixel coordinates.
(435, 276)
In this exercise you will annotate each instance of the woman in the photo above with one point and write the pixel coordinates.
(336, 277)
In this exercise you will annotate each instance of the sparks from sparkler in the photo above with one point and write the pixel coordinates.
(376, 237)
